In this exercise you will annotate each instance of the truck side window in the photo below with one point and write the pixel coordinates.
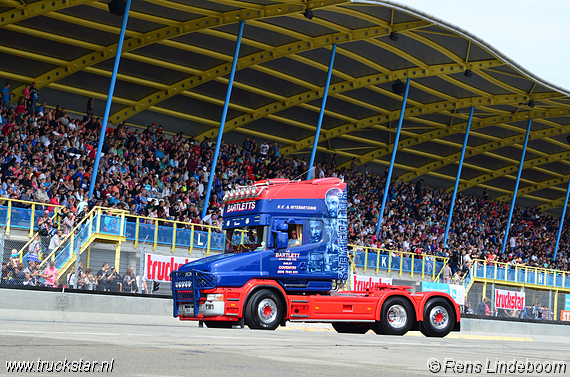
(295, 235)
(316, 230)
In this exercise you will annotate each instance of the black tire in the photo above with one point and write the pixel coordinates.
(351, 328)
(396, 317)
(264, 311)
(219, 324)
(439, 318)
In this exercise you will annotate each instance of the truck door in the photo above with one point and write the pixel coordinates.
(301, 262)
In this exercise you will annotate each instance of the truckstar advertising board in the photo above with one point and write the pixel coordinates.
(159, 267)
(512, 300)
(360, 283)
(567, 302)
(457, 292)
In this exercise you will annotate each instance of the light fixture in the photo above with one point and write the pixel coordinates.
(308, 14)
(530, 104)
(394, 36)
(468, 73)
(398, 87)
(117, 7)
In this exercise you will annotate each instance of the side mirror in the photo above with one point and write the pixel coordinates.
(282, 240)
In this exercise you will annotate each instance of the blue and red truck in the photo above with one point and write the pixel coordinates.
(286, 259)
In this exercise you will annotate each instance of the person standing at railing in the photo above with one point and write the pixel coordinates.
(101, 277)
(34, 249)
(50, 274)
(45, 226)
(129, 282)
(446, 273)
(68, 223)
(55, 241)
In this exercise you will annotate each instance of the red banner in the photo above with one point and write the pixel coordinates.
(159, 267)
(509, 300)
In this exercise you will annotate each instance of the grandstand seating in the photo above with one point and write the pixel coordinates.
(159, 182)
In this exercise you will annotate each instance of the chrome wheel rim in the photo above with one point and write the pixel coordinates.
(397, 316)
(438, 317)
(267, 310)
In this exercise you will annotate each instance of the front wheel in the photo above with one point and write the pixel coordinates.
(264, 311)
(351, 328)
(396, 317)
(439, 318)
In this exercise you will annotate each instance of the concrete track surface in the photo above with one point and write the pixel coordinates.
(309, 350)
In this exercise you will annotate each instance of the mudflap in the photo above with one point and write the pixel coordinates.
(457, 326)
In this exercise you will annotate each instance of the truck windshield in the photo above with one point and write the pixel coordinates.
(249, 238)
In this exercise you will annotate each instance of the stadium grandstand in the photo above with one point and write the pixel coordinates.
(408, 99)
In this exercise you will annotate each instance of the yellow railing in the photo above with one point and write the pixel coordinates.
(386, 255)
(174, 225)
(531, 276)
(33, 235)
(10, 204)
(71, 236)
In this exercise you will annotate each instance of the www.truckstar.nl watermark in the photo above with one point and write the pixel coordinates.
(494, 366)
(59, 366)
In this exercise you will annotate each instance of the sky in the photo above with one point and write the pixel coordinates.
(534, 34)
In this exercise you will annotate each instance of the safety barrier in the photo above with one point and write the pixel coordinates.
(23, 214)
(397, 261)
(545, 290)
(208, 238)
(522, 275)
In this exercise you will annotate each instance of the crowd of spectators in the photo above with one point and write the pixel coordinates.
(47, 156)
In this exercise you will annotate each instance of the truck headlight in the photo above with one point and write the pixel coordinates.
(215, 297)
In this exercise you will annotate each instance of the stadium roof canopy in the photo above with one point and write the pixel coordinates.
(177, 57)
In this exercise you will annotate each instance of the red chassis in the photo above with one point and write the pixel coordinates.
(386, 309)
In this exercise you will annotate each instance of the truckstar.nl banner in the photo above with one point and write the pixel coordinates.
(512, 300)
(360, 283)
(159, 267)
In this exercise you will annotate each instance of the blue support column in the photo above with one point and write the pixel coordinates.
(322, 112)
(516, 187)
(391, 167)
(458, 175)
(561, 222)
(223, 121)
(109, 98)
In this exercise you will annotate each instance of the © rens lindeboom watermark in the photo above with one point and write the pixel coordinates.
(44, 366)
(494, 366)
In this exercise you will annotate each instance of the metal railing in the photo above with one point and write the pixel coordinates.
(209, 238)
(15, 213)
(400, 261)
(519, 275)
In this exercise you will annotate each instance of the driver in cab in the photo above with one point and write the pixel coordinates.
(293, 240)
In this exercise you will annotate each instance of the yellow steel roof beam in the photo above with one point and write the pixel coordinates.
(480, 149)
(37, 9)
(366, 81)
(513, 168)
(393, 116)
(552, 204)
(247, 61)
(537, 187)
(174, 29)
(486, 122)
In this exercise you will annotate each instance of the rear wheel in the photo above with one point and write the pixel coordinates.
(396, 317)
(219, 324)
(351, 328)
(439, 318)
(264, 311)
